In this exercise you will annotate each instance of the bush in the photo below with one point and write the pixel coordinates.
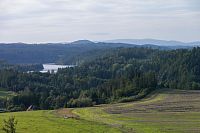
(80, 102)
(10, 125)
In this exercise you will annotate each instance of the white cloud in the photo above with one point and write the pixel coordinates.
(63, 20)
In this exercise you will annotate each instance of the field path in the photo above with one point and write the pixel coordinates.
(164, 111)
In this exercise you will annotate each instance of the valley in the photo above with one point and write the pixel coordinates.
(119, 90)
(99, 66)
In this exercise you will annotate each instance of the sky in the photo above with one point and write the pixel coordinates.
(36, 21)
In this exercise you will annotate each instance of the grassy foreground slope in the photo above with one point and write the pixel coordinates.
(166, 111)
(48, 122)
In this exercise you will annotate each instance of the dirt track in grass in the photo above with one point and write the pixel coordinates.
(164, 111)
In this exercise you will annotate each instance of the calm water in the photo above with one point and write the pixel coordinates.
(53, 67)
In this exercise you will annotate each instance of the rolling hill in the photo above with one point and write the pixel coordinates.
(154, 42)
(163, 111)
(72, 53)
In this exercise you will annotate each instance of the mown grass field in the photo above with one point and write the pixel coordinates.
(48, 122)
(166, 111)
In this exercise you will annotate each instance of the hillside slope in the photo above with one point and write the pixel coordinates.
(154, 41)
(164, 111)
(47, 122)
(67, 53)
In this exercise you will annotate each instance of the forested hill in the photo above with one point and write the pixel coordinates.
(120, 75)
(68, 53)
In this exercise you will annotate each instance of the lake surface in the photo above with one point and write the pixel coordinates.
(51, 67)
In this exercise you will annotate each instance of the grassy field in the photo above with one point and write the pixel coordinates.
(48, 122)
(166, 111)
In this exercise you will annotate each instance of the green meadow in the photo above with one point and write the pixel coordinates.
(47, 122)
(166, 111)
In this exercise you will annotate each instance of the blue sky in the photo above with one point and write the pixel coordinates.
(37, 21)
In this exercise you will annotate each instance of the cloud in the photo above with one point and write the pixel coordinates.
(100, 34)
(63, 20)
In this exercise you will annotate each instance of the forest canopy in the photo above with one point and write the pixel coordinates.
(117, 75)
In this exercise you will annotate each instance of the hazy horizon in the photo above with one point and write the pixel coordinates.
(115, 39)
(43, 21)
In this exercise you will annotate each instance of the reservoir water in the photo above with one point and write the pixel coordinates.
(51, 67)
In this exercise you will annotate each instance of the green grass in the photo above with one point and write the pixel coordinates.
(146, 122)
(165, 111)
(168, 111)
(46, 121)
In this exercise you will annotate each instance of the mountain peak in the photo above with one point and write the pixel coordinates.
(82, 42)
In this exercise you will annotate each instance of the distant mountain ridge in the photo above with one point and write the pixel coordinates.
(121, 42)
(73, 52)
(154, 42)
